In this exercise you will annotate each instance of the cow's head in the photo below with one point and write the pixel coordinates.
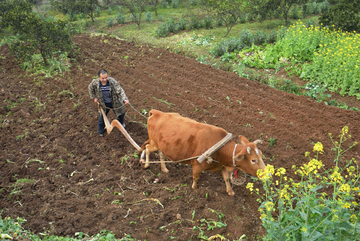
(248, 158)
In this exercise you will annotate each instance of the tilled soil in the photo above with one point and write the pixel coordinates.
(82, 182)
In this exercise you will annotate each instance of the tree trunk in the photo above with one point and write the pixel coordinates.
(155, 10)
(228, 28)
(43, 57)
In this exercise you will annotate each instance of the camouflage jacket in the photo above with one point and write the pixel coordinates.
(116, 92)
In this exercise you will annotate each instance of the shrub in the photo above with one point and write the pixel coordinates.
(343, 15)
(120, 18)
(281, 33)
(110, 22)
(207, 22)
(97, 12)
(294, 13)
(194, 23)
(82, 15)
(171, 25)
(164, 4)
(149, 17)
(182, 24)
(132, 18)
(110, 11)
(272, 36)
(259, 37)
(250, 17)
(175, 3)
(161, 18)
(246, 38)
(233, 44)
(219, 49)
(72, 17)
(162, 30)
(219, 22)
(324, 6)
(309, 23)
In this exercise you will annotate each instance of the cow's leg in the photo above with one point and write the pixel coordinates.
(196, 174)
(225, 174)
(147, 151)
(162, 160)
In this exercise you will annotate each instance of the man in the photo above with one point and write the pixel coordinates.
(107, 91)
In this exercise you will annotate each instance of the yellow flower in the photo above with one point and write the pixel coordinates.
(353, 218)
(280, 171)
(250, 186)
(318, 147)
(303, 229)
(269, 206)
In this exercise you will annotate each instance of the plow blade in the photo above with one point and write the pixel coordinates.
(116, 123)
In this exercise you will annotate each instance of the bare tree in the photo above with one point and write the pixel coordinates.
(136, 8)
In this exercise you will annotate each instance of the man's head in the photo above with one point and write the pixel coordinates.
(103, 76)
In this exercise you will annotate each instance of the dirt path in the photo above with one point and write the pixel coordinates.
(82, 182)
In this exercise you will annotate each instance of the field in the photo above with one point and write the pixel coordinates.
(62, 178)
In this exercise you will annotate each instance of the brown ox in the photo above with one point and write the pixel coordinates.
(179, 138)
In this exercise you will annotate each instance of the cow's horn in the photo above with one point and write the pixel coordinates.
(258, 142)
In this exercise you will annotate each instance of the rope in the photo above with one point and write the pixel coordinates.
(123, 106)
(215, 147)
(137, 111)
(187, 159)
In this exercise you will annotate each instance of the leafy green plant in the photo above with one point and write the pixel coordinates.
(162, 30)
(208, 22)
(148, 17)
(18, 185)
(272, 141)
(260, 37)
(246, 38)
(195, 22)
(110, 22)
(67, 93)
(120, 18)
(181, 24)
(323, 205)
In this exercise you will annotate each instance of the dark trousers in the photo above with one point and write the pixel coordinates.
(101, 122)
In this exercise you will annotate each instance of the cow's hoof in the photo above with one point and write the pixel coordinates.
(231, 193)
(165, 170)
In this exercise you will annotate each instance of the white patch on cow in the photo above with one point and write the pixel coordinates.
(249, 150)
(143, 154)
(257, 151)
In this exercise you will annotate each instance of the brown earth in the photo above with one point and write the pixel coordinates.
(87, 183)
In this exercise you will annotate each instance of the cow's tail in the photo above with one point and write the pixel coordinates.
(143, 146)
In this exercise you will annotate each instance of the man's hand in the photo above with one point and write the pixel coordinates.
(126, 102)
(95, 100)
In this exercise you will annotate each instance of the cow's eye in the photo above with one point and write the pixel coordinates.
(253, 162)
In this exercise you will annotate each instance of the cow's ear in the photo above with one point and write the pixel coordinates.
(243, 140)
(241, 155)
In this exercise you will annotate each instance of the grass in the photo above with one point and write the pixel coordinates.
(12, 229)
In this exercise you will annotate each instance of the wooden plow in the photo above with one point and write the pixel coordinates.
(115, 123)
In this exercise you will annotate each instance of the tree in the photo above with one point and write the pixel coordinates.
(229, 11)
(266, 8)
(36, 34)
(19, 8)
(154, 3)
(343, 14)
(136, 8)
(70, 7)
